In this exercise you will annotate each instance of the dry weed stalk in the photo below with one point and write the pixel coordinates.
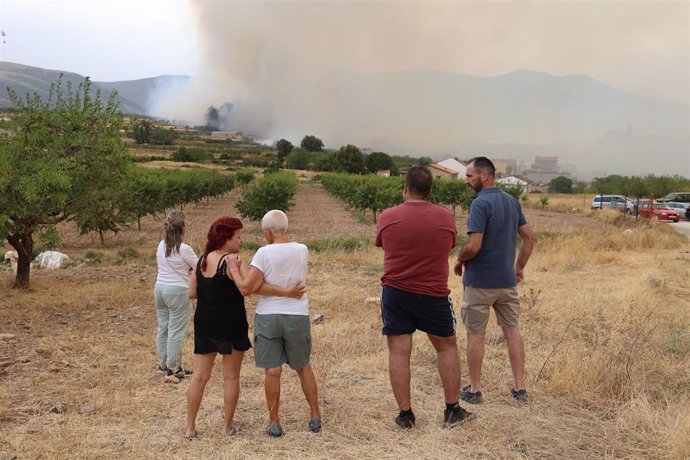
(530, 301)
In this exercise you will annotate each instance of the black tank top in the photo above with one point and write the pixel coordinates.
(220, 312)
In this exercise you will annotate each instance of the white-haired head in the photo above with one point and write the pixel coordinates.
(276, 221)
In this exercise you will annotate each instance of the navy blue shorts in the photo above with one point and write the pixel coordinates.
(405, 312)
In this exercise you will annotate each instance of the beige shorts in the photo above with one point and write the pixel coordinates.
(476, 303)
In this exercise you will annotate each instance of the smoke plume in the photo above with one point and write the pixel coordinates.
(395, 74)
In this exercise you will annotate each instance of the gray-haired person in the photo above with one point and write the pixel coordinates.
(281, 324)
(173, 307)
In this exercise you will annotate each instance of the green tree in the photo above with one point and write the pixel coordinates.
(561, 184)
(423, 161)
(380, 160)
(512, 189)
(140, 130)
(162, 136)
(62, 153)
(244, 176)
(350, 159)
(284, 148)
(580, 186)
(298, 159)
(311, 143)
(269, 192)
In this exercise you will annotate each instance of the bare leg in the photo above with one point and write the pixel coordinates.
(448, 365)
(308, 381)
(475, 357)
(516, 353)
(203, 365)
(272, 387)
(232, 364)
(399, 350)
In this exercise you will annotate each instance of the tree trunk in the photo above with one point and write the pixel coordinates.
(139, 222)
(100, 233)
(24, 245)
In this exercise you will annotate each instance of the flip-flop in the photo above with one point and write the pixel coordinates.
(233, 432)
(191, 437)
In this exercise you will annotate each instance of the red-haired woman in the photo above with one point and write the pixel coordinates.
(220, 321)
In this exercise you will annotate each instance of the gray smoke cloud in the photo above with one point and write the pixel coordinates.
(384, 74)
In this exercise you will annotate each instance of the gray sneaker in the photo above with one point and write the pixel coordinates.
(315, 425)
(472, 398)
(275, 431)
(520, 395)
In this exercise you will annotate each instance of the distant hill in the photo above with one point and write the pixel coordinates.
(522, 106)
(133, 95)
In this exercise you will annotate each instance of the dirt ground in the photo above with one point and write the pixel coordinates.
(78, 358)
(314, 215)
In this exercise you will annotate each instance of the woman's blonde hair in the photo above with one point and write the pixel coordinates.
(174, 226)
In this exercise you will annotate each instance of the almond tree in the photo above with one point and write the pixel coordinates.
(61, 154)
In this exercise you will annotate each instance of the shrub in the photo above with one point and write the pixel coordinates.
(185, 154)
(270, 192)
(127, 254)
(93, 257)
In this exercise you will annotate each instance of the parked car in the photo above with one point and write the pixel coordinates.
(682, 208)
(613, 202)
(678, 197)
(658, 211)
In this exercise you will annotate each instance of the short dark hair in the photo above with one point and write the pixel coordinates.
(482, 164)
(419, 180)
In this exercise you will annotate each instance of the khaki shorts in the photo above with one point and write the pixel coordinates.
(280, 339)
(476, 303)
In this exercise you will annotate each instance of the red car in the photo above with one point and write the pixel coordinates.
(658, 211)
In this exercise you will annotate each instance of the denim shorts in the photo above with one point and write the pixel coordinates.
(405, 312)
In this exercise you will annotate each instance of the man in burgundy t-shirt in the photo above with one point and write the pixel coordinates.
(417, 237)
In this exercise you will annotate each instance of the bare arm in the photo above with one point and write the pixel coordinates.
(247, 279)
(192, 286)
(469, 251)
(529, 239)
(250, 280)
(296, 290)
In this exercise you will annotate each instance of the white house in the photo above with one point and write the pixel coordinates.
(526, 184)
(454, 165)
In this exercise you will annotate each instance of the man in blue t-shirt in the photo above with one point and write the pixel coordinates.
(491, 274)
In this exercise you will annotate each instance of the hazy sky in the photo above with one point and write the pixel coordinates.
(639, 46)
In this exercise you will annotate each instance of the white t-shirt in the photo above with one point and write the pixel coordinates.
(174, 270)
(283, 264)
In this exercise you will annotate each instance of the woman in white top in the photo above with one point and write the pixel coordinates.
(173, 307)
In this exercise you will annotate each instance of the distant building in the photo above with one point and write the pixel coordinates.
(384, 172)
(439, 171)
(540, 177)
(545, 163)
(232, 135)
(501, 168)
(454, 165)
(525, 183)
(544, 169)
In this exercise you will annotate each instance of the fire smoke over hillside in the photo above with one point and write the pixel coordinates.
(345, 71)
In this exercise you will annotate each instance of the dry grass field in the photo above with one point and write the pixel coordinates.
(606, 322)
